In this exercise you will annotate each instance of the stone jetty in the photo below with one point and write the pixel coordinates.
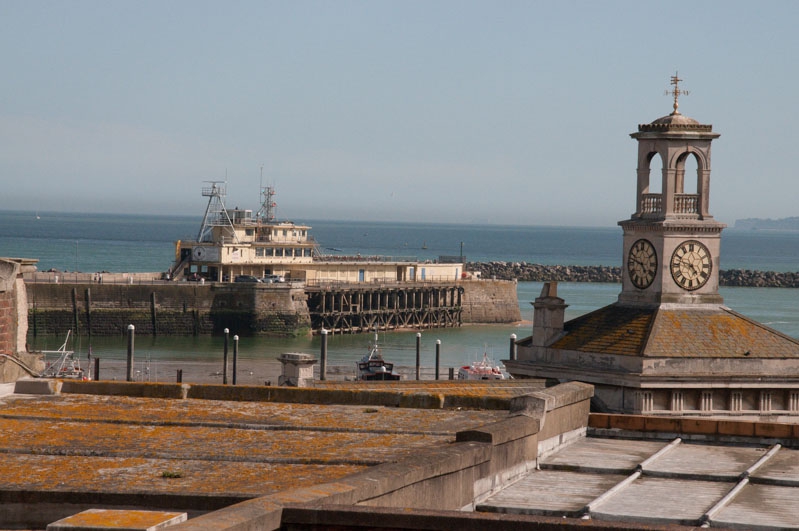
(526, 272)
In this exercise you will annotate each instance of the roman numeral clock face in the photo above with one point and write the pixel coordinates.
(691, 265)
(642, 264)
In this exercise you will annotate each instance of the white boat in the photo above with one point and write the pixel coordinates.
(484, 369)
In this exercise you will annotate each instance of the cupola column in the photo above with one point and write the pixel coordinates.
(704, 193)
(667, 197)
(643, 188)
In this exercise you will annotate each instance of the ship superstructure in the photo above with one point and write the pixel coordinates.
(235, 244)
(231, 238)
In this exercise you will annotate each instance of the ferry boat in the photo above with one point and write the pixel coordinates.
(373, 367)
(239, 242)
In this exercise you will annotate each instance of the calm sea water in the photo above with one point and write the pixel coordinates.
(103, 242)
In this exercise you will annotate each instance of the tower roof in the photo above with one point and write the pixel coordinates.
(685, 332)
(675, 122)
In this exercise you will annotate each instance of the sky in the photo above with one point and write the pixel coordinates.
(502, 112)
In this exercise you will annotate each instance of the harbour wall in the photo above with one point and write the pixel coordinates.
(490, 301)
(170, 309)
(188, 308)
(526, 272)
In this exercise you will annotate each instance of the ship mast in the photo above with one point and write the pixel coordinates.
(268, 210)
(216, 214)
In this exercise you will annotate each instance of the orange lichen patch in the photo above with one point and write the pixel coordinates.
(137, 475)
(179, 442)
(153, 411)
(119, 519)
(720, 333)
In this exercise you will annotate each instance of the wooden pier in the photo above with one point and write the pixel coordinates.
(356, 308)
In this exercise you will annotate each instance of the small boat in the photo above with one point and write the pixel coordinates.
(373, 367)
(484, 369)
(66, 366)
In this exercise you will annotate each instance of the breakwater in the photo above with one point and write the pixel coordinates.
(285, 309)
(526, 272)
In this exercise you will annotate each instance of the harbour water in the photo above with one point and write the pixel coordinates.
(127, 243)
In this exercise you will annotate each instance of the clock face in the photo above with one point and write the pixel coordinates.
(198, 253)
(691, 265)
(642, 264)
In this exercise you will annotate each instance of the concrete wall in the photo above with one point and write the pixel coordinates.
(490, 301)
(166, 309)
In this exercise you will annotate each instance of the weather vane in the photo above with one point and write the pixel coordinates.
(675, 80)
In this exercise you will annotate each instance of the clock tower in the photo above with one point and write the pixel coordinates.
(671, 242)
(668, 346)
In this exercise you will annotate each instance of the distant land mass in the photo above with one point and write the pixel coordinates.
(786, 224)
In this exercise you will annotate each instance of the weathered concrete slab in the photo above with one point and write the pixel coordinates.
(662, 501)
(607, 455)
(117, 520)
(761, 507)
(700, 461)
(550, 493)
(781, 469)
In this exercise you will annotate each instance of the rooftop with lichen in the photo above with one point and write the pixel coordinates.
(84, 444)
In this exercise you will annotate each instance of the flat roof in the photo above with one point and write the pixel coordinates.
(661, 482)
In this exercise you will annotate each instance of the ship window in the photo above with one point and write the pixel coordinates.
(248, 232)
(259, 251)
(285, 232)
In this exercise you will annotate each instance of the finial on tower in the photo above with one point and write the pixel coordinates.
(675, 80)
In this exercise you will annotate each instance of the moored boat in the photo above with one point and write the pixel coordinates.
(373, 367)
(484, 369)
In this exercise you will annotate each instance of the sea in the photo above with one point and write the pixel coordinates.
(91, 242)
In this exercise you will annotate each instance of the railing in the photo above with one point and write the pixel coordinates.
(325, 282)
(686, 203)
(651, 203)
(365, 258)
(683, 204)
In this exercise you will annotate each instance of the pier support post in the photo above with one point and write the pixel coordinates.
(224, 358)
(235, 357)
(512, 353)
(153, 316)
(438, 357)
(323, 356)
(89, 312)
(96, 369)
(131, 333)
(418, 355)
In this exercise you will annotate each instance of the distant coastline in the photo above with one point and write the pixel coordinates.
(784, 224)
(525, 272)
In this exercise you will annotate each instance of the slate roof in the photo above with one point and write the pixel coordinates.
(714, 332)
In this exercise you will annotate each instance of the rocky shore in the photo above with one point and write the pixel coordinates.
(525, 272)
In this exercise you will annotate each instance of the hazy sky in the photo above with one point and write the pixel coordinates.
(454, 111)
